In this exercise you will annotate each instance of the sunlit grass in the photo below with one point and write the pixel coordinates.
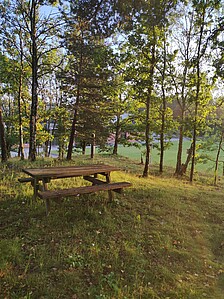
(162, 239)
(170, 156)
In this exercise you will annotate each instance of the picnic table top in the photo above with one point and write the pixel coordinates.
(69, 171)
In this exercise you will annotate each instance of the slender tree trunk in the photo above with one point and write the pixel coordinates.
(21, 144)
(73, 129)
(198, 86)
(50, 143)
(180, 148)
(162, 134)
(46, 148)
(182, 105)
(4, 156)
(83, 147)
(117, 134)
(185, 165)
(61, 149)
(217, 159)
(147, 132)
(47, 143)
(162, 143)
(194, 143)
(148, 107)
(34, 104)
(178, 170)
(74, 121)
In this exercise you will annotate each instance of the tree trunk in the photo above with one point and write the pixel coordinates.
(148, 106)
(180, 150)
(116, 137)
(21, 144)
(194, 144)
(197, 96)
(83, 147)
(50, 142)
(73, 129)
(93, 145)
(162, 134)
(185, 165)
(147, 138)
(74, 121)
(61, 149)
(162, 144)
(217, 160)
(2, 139)
(183, 103)
(34, 104)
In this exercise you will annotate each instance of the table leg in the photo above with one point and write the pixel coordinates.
(35, 187)
(47, 201)
(110, 193)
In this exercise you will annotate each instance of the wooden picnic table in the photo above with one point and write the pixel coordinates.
(88, 172)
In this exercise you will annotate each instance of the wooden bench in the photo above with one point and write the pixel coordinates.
(26, 180)
(40, 177)
(57, 194)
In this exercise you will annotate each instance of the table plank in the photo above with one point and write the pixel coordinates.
(69, 171)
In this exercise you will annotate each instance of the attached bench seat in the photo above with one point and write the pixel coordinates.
(57, 194)
(26, 180)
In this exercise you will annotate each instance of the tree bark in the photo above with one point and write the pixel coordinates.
(198, 86)
(162, 134)
(184, 166)
(21, 145)
(2, 139)
(147, 139)
(217, 159)
(148, 106)
(34, 104)
(182, 105)
(83, 147)
(116, 137)
(162, 143)
(180, 149)
(73, 129)
(74, 121)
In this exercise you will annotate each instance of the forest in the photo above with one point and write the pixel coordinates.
(118, 74)
(70, 70)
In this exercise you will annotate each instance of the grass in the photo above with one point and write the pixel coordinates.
(205, 158)
(163, 239)
(170, 156)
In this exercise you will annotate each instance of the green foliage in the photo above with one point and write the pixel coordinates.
(218, 44)
(116, 57)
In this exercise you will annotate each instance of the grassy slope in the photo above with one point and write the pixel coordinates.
(163, 239)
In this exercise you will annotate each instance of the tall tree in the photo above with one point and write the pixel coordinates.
(7, 87)
(37, 37)
(87, 24)
(203, 17)
(37, 31)
(145, 39)
(166, 124)
(179, 72)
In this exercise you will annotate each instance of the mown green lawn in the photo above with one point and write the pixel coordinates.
(171, 156)
(163, 239)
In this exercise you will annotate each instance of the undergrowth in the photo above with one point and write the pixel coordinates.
(162, 239)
